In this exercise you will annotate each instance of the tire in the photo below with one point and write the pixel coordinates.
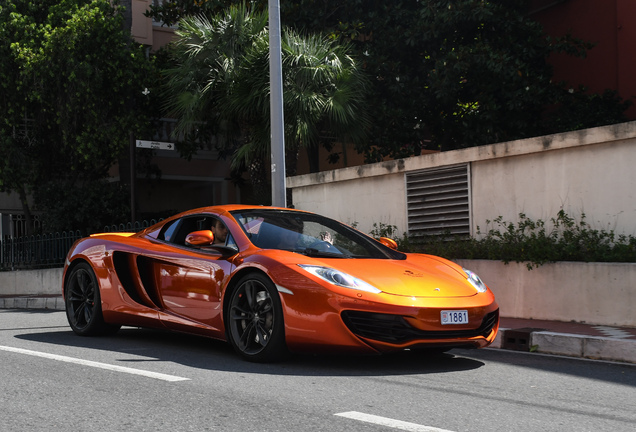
(83, 303)
(254, 321)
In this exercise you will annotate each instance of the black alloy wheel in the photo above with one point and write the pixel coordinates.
(83, 303)
(255, 320)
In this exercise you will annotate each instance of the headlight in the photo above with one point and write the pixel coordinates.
(475, 281)
(338, 278)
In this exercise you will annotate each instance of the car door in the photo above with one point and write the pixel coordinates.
(189, 280)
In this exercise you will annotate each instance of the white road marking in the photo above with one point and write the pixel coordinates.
(90, 363)
(384, 421)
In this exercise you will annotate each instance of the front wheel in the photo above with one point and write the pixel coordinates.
(83, 303)
(254, 322)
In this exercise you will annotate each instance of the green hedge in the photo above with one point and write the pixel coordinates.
(526, 241)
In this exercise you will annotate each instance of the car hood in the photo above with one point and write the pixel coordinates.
(416, 276)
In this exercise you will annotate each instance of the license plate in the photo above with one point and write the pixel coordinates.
(454, 317)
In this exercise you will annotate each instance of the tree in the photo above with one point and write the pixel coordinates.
(447, 73)
(221, 83)
(73, 80)
(324, 97)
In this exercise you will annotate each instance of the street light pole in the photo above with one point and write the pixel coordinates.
(279, 186)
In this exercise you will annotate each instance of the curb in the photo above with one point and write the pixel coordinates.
(566, 344)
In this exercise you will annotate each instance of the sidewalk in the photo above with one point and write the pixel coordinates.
(547, 337)
(568, 339)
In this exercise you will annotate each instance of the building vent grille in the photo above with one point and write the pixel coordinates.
(438, 201)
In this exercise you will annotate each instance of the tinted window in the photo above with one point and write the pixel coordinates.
(177, 230)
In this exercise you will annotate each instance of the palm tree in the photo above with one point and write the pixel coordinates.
(222, 80)
(206, 58)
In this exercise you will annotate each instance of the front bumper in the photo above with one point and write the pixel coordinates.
(388, 331)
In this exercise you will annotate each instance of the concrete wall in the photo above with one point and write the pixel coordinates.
(594, 293)
(590, 171)
(363, 195)
(595, 176)
(31, 282)
(31, 289)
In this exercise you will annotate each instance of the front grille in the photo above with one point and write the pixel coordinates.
(395, 329)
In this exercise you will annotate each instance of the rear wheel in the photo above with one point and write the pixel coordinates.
(83, 303)
(254, 322)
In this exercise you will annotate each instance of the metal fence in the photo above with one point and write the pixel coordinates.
(49, 250)
(36, 251)
(130, 227)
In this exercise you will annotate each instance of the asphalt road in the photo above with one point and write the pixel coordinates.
(141, 380)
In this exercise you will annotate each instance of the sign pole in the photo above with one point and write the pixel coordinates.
(133, 175)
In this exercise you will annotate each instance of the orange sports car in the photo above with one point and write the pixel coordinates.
(273, 281)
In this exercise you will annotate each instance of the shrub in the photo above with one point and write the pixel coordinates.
(529, 241)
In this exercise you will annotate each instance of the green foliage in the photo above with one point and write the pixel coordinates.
(88, 206)
(324, 96)
(578, 109)
(446, 74)
(73, 89)
(533, 242)
(390, 231)
(219, 88)
(206, 59)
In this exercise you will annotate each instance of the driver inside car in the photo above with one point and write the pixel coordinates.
(220, 232)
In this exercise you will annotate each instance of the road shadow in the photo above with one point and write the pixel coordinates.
(208, 354)
(615, 372)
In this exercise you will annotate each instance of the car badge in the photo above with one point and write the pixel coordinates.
(411, 273)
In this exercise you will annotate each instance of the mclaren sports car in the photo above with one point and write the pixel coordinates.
(271, 281)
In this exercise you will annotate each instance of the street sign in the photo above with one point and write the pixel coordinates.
(157, 145)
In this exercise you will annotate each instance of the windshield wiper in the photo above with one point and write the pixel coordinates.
(311, 252)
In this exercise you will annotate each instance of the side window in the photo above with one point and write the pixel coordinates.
(168, 231)
(176, 231)
(231, 243)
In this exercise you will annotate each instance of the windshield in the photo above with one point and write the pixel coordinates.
(309, 234)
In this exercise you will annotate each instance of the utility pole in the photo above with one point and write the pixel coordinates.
(279, 186)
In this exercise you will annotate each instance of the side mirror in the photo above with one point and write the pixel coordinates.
(200, 238)
(388, 242)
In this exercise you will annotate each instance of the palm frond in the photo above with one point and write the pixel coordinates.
(222, 75)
